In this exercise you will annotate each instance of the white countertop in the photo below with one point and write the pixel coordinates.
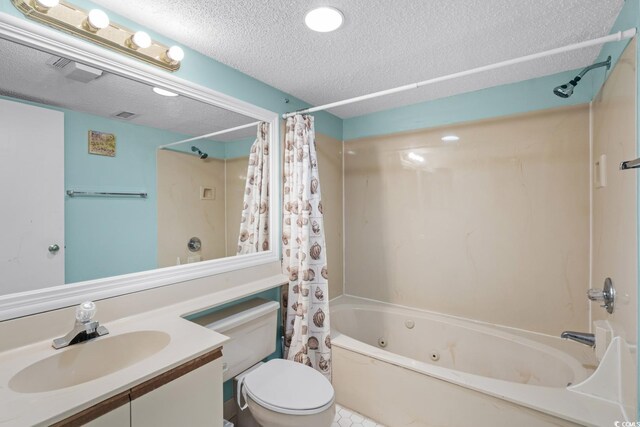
(188, 340)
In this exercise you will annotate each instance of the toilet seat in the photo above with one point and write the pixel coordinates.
(288, 387)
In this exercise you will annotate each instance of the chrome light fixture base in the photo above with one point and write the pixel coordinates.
(73, 20)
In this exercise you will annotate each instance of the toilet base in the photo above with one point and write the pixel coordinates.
(268, 418)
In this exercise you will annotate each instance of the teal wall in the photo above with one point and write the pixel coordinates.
(215, 149)
(238, 148)
(116, 235)
(529, 95)
(111, 236)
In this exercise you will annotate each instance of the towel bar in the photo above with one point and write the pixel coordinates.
(72, 193)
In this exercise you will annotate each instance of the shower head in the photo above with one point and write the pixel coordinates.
(566, 90)
(200, 153)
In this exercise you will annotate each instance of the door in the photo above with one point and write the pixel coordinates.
(31, 177)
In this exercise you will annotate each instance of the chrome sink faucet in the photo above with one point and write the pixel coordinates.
(85, 328)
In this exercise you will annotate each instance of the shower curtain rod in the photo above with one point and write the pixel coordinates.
(220, 132)
(620, 35)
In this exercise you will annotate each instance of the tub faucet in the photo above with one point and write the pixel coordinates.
(85, 328)
(581, 337)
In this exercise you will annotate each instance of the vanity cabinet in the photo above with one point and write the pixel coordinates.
(194, 399)
(189, 394)
(119, 417)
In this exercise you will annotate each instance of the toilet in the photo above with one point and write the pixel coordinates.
(278, 393)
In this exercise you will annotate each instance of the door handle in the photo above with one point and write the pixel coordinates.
(54, 248)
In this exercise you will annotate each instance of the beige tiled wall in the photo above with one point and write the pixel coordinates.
(181, 212)
(615, 205)
(330, 169)
(494, 227)
(236, 181)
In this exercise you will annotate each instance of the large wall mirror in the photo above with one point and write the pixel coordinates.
(107, 180)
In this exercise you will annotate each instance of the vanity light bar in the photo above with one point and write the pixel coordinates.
(96, 27)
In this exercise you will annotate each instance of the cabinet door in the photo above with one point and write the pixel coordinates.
(119, 417)
(193, 399)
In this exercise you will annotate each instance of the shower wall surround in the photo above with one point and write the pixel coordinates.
(493, 227)
(615, 216)
(182, 213)
(330, 169)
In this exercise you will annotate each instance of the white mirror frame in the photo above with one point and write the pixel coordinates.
(40, 37)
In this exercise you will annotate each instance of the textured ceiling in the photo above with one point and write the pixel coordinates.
(24, 74)
(382, 44)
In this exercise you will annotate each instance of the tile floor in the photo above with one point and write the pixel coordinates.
(347, 418)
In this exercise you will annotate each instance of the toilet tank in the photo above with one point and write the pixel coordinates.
(251, 326)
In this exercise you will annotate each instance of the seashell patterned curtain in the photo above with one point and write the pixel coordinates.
(254, 223)
(307, 338)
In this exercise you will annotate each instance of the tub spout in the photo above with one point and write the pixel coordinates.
(581, 337)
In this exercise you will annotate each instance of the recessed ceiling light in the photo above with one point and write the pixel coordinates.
(324, 19)
(164, 92)
(450, 138)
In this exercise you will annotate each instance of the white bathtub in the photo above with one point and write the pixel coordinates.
(406, 367)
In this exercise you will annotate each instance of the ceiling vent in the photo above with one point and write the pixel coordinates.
(58, 62)
(125, 115)
(73, 70)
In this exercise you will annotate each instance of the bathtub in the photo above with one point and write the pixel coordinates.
(406, 367)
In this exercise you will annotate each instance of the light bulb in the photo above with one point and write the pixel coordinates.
(324, 19)
(140, 40)
(45, 5)
(96, 20)
(174, 54)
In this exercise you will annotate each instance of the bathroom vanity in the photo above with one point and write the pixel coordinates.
(159, 400)
(152, 369)
(152, 366)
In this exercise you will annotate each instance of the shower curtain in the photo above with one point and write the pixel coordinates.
(254, 223)
(307, 337)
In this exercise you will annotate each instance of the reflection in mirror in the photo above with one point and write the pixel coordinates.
(206, 200)
(69, 127)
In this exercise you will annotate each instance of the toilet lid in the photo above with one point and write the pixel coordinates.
(289, 387)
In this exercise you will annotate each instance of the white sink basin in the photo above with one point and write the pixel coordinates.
(88, 361)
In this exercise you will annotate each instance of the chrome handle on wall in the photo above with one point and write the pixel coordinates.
(54, 248)
(194, 244)
(606, 295)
